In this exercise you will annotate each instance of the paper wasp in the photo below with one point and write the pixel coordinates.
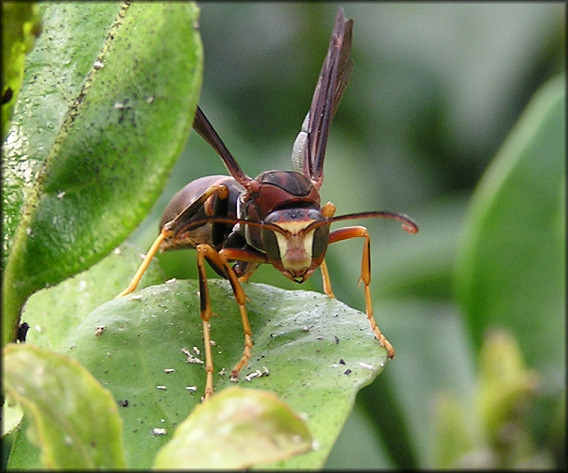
(275, 218)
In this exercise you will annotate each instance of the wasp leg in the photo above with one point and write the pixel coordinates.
(325, 280)
(170, 228)
(328, 210)
(208, 359)
(219, 261)
(189, 211)
(361, 232)
(146, 262)
(248, 256)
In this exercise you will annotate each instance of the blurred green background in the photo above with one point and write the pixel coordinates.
(434, 92)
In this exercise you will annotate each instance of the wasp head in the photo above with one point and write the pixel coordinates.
(298, 248)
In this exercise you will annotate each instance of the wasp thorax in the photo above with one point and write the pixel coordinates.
(297, 250)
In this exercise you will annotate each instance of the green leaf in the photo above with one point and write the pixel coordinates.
(314, 352)
(105, 109)
(490, 428)
(11, 416)
(434, 353)
(512, 270)
(76, 421)
(55, 312)
(237, 428)
(20, 25)
(505, 390)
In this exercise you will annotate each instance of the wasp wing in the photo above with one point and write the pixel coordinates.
(202, 126)
(308, 151)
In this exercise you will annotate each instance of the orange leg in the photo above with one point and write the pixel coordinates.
(361, 232)
(186, 214)
(325, 280)
(142, 268)
(208, 359)
(169, 229)
(328, 210)
(219, 260)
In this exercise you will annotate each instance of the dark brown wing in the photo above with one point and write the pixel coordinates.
(208, 133)
(309, 149)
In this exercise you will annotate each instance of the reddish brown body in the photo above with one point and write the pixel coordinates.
(212, 233)
(276, 197)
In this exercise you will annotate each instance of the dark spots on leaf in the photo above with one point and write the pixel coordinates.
(123, 403)
(342, 361)
(347, 371)
(22, 331)
(7, 95)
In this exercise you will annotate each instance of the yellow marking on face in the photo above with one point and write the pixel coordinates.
(296, 249)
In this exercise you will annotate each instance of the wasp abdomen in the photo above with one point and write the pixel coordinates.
(211, 233)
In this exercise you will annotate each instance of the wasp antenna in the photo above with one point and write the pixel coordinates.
(218, 219)
(410, 228)
(408, 224)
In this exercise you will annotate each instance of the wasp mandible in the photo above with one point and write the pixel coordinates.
(236, 223)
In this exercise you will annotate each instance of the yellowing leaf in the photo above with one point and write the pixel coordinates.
(236, 428)
(76, 421)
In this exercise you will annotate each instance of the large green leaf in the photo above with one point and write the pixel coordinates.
(512, 271)
(317, 351)
(105, 109)
(76, 421)
(314, 352)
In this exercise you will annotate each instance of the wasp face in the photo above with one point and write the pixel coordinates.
(296, 251)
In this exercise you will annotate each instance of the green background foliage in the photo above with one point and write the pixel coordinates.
(442, 121)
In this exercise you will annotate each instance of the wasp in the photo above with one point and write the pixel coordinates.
(236, 223)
